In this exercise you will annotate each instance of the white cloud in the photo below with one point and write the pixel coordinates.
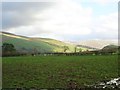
(30, 30)
(65, 18)
(68, 18)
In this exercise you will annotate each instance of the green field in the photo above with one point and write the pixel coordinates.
(57, 71)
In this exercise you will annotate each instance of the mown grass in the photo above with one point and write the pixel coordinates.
(57, 71)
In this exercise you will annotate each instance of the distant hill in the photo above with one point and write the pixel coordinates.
(110, 48)
(99, 44)
(88, 47)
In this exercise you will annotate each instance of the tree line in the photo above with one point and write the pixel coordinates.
(10, 50)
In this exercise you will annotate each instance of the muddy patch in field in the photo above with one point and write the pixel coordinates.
(72, 84)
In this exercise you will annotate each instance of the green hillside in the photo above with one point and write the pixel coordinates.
(25, 44)
(59, 45)
(110, 48)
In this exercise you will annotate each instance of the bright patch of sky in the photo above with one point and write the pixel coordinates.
(99, 9)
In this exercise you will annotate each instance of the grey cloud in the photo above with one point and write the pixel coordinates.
(16, 14)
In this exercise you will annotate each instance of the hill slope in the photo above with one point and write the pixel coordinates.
(41, 45)
(110, 48)
(26, 44)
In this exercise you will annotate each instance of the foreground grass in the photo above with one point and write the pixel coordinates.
(57, 71)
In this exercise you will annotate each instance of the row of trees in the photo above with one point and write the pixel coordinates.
(9, 50)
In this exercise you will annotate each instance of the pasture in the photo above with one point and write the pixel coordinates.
(57, 71)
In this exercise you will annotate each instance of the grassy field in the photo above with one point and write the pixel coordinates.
(57, 71)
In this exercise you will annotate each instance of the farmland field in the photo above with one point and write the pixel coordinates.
(57, 71)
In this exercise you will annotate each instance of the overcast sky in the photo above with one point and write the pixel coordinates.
(69, 20)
